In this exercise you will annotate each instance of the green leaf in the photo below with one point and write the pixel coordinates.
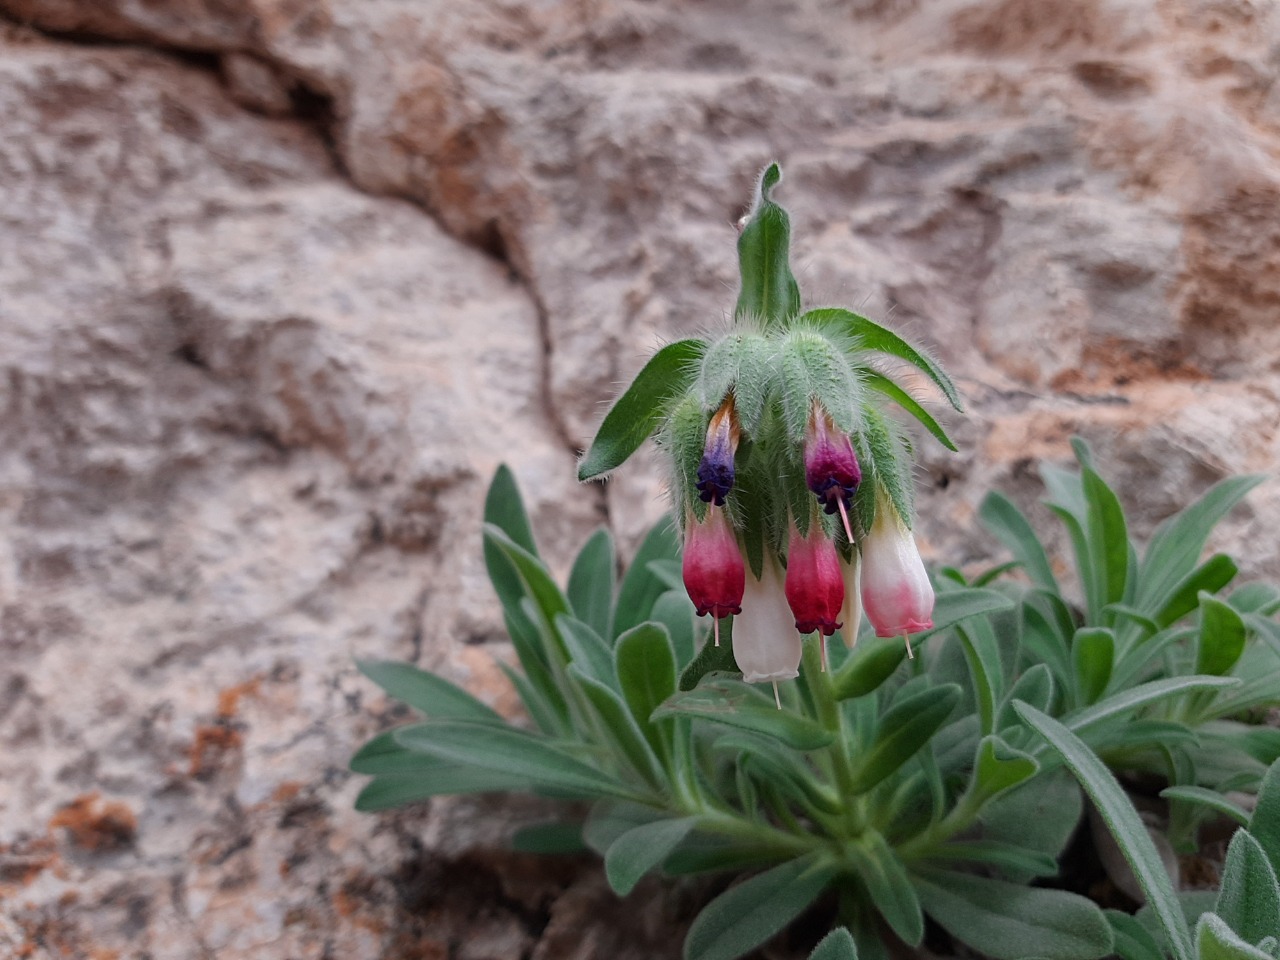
(1008, 524)
(539, 585)
(641, 587)
(1217, 941)
(427, 693)
(508, 751)
(394, 790)
(872, 336)
(674, 610)
(887, 884)
(998, 767)
(711, 659)
(1035, 687)
(836, 945)
(745, 916)
(881, 383)
(641, 849)
(1093, 654)
(1265, 825)
(769, 292)
(647, 672)
(504, 508)
(621, 728)
(636, 414)
(1222, 637)
(1021, 861)
(1210, 577)
(905, 729)
(587, 650)
(549, 838)
(1123, 822)
(591, 582)
(871, 662)
(1177, 543)
(737, 704)
(1041, 814)
(811, 368)
(1108, 537)
(610, 819)
(1207, 798)
(1249, 901)
(982, 654)
(1009, 921)
(1133, 942)
(1140, 696)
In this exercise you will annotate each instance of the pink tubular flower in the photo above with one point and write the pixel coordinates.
(765, 642)
(851, 612)
(713, 571)
(815, 588)
(896, 592)
(830, 468)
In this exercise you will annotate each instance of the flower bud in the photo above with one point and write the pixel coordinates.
(765, 642)
(851, 612)
(716, 471)
(713, 571)
(815, 588)
(896, 592)
(830, 467)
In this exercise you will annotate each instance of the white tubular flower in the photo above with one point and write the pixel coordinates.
(765, 642)
(851, 612)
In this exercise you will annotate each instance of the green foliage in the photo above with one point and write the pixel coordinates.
(900, 792)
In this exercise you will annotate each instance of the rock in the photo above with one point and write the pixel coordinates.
(283, 281)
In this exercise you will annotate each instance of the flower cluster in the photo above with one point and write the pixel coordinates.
(824, 587)
(792, 485)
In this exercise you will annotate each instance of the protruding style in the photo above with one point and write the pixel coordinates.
(830, 467)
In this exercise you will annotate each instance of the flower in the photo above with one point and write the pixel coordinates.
(830, 467)
(712, 568)
(765, 642)
(716, 471)
(896, 592)
(851, 612)
(814, 586)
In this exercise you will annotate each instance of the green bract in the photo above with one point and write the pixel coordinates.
(904, 794)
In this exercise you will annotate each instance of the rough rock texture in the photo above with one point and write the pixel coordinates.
(282, 281)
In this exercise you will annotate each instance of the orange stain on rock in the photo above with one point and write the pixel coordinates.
(95, 824)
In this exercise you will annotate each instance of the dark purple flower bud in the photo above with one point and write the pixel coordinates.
(715, 472)
(830, 467)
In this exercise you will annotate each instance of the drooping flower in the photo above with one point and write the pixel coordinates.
(712, 568)
(716, 471)
(851, 612)
(814, 586)
(896, 592)
(830, 466)
(765, 642)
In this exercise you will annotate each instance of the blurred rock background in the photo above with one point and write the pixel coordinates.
(283, 281)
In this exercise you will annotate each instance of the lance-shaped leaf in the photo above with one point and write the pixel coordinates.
(836, 945)
(1222, 636)
(1122, 820)
(591, 582)
(882, 384)
(427, 693)
(554, 837)
(1177, 543)
(1249, 901)
(647, 672)
(887, 884)
(905, 728)
(642, 848)
(737, 704)
(394, 790)
(1093, 652)
(641, 585)
(1010, 921)
(1265, 825)
(869, 335)
(769, 291)
(1215, 940)
(745, 916)
(636, 414)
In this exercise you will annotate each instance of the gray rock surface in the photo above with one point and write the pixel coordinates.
(282, 282)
